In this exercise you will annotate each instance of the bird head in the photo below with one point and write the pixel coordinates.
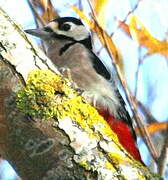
(62, 28)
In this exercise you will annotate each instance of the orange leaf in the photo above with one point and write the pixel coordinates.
(99, 5)
(111, 46)
(124, 27)
(144, 38)
(154, 127)
(100, 8)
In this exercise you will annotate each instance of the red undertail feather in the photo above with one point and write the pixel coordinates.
(124, 135)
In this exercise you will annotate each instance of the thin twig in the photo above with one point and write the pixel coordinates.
(137, 73)
(150, 118)
(80, 5)
(154, 128)
(130, 12)
(99, 51)
(38, 20)
(163, 159)
(112, 34)
(129, 97)
(35, 13)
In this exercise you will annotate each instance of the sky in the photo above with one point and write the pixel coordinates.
(153, 76)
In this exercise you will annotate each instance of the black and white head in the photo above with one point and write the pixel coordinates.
(62, 28)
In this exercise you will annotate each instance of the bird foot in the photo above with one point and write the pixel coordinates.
(66, 72)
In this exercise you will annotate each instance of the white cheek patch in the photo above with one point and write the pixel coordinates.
(77, 32)
(53, 26)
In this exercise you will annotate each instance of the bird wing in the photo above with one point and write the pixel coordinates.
(123, 114)
(100, 67)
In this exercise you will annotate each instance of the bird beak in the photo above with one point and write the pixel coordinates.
(38, 33)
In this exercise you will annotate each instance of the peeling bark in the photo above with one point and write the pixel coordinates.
(64, 146)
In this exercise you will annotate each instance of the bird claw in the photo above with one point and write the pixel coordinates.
(66, 72)
(89, 97)
(79, 91)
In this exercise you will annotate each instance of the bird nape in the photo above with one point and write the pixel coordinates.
(68, 44)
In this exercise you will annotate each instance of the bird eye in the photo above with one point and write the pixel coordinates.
(65, 27)
(48, 29)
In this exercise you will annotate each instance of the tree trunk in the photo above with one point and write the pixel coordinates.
(47, 131)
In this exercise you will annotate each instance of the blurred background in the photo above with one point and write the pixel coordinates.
(139, 30)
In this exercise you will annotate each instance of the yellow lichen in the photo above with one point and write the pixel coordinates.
(109, 166)
(141, 177)
(85, 165)
(48, 95)
(118, 159)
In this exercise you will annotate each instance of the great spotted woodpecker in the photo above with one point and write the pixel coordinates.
(68, 44)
